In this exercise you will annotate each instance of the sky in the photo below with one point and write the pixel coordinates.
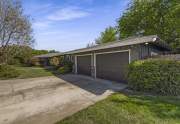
(65, 25)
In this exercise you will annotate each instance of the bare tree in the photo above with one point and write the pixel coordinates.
(15, 29)
(90, 44)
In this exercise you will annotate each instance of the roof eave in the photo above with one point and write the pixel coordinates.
(127, 42)
(162, 44)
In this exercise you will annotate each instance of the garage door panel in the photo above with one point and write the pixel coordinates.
(112, 66)
(84, 65)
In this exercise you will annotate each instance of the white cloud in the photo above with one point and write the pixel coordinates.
(68, 13)
(35, 9)
(44, 7)
(42, 25)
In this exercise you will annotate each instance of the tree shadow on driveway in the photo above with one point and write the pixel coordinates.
(94, 86)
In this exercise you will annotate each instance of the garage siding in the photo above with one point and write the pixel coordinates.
(81, 60)
(112, 66)
(84, 65)
(91, 69)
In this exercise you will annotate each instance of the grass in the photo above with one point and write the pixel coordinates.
(129, 109)
(32, 72)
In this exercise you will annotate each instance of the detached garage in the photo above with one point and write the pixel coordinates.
(110, 61)
(112, 65)
(84, 64)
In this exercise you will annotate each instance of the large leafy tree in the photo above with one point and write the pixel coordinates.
(24, 54)
(109, 35)
(39, 52)
(15, 29)
(19, 54)
(147, 17)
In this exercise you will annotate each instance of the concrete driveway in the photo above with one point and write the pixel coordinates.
(46, 100)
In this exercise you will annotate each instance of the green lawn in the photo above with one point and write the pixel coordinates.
(31, 72)
(129, 109)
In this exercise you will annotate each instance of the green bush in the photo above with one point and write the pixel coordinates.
(155, 76)
(7, 71)
(34, 62)
(64, 69)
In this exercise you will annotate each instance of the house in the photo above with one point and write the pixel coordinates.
(44, 59)
(110, 61)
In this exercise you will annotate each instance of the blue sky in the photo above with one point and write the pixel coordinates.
(70, 24)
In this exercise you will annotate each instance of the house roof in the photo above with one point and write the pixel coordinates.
(125, 42)
(154, 39)
(48, 55)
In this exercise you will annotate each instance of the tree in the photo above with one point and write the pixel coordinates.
(53, 51)
(109, 35)
(39, 52)
(15, 29)
(149, 17)
(23, 56)
(90, 44)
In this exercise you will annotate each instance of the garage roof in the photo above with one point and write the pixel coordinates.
(125, 42)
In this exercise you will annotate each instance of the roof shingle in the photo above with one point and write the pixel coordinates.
(124, 42)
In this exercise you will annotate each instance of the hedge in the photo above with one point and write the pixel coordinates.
(66, 67)
(7, 71)
(155, 76)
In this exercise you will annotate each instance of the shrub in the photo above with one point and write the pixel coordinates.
(54, 61)
(7, 71)
(14, 61)
(64, 69)
(156, 76)
(34, 62)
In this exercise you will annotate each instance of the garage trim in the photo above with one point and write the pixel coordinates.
(76, 71)
(108, 53)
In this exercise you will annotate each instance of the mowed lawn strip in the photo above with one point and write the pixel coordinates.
(129, 109)
(32, 72)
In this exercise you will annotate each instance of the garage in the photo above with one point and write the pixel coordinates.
(110, 61)
(112, 65)
(84, 65)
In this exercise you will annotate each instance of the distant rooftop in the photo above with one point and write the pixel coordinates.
(48, 55)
